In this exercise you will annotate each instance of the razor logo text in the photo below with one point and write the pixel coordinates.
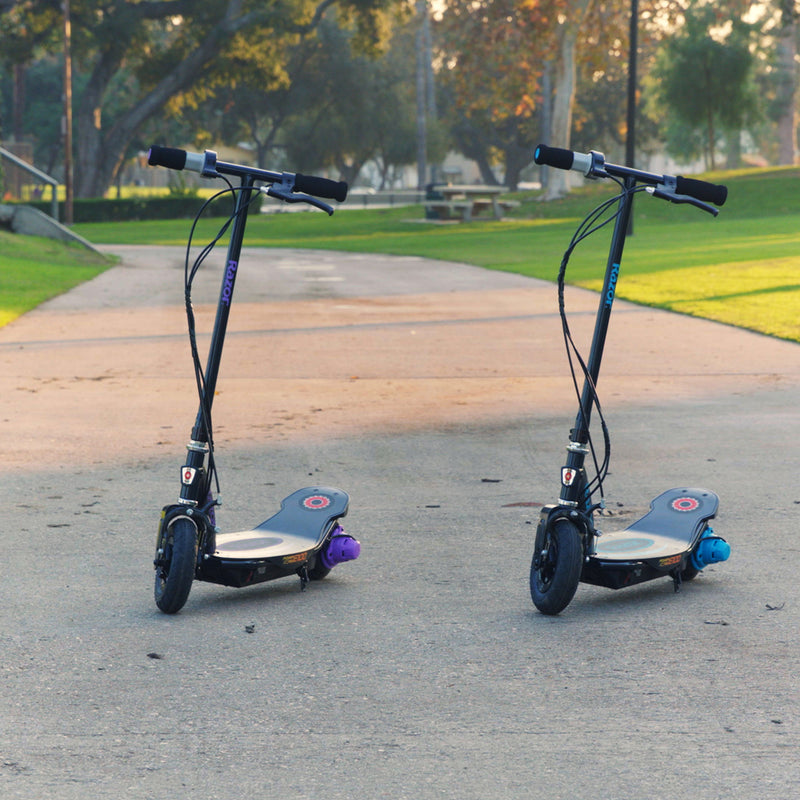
(612, 284)
(227, 288)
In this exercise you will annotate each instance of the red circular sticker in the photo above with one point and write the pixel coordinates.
(685, 504)
(316, 502)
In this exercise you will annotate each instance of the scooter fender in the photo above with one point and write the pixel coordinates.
(550, 513)
(199, 519)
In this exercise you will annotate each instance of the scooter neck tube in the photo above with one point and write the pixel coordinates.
(603, 317)
(571, 493)
(200, 433)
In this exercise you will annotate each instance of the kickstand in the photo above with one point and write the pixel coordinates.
(677, 580)
(304, 579)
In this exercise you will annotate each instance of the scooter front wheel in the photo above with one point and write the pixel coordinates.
(175, 565)
(556, 566)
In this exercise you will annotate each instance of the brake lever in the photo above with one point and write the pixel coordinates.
(678, 199)
(285, 193)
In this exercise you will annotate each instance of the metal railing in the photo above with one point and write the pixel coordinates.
(39, 175)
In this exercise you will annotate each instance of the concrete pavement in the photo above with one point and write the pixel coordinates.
(436, 394)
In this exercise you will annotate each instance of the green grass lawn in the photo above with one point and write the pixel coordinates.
(33, 270)
(742, 268)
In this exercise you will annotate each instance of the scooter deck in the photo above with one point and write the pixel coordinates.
(301, 525)
(658, 544)
(671, 527)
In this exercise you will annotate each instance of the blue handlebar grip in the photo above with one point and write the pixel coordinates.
(170, 157)
(320, 187)
(553, 156)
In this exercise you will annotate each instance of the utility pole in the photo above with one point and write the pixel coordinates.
(67, 118)
(633, 44)
(630, 136)
(422, 115)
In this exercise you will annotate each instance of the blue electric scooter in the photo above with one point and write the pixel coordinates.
(674, 538)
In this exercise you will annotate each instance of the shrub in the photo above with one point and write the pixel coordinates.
(138, 208)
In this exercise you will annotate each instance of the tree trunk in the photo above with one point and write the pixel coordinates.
(711, 141)
(94, 173)
(733, 149)
(516, 159)
(474, 146)
(787, 87)
(564, 95)
(561, 121)
(349, 171)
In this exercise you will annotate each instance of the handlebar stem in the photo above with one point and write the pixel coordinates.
(573, 494)
(197, 491)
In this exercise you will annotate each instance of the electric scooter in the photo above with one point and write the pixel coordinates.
(305, 537)
(674, 538)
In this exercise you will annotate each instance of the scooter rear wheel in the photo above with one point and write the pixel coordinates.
(175, 572)
(689, 573)
(319, 570)
(556, 566)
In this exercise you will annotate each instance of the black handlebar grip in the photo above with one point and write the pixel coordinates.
(320, 187)
(170, 157)
(702, 190)
(553, 156)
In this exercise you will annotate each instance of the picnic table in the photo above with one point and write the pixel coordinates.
(464, 201)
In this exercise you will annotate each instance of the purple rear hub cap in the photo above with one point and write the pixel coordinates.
(342, 547)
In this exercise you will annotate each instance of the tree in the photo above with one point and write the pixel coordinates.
(601, 97)
(146, 54)
(491, 62)
(363, 106)
(784, 103)
(511, 68)
(712, 50)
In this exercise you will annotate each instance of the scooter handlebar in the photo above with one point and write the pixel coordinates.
(593, 164)
(320, 187)
(560, 158)
(206, 164)
(173, 158)
(702, 190)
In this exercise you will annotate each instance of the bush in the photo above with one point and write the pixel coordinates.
(139, 208)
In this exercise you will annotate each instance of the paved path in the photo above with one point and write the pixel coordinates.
(435, 394)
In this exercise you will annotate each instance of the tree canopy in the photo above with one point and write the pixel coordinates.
(140, 57)
(712, 53)
(337, 83)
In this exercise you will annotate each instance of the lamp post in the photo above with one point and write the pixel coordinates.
(630, 135)
(67, 118)
(422, 111)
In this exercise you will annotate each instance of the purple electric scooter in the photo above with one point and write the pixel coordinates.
(305, 537)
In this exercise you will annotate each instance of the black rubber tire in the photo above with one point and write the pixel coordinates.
(556, 574)
(689, 572)
(175, 575)
(319, 570)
